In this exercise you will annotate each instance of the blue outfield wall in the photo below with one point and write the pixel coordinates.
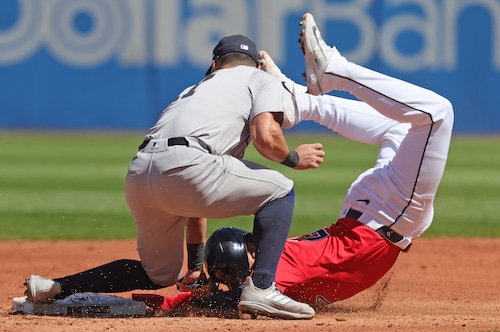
(115, 64)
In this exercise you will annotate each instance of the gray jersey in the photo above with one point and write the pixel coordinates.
(167, 184)
(217, 111)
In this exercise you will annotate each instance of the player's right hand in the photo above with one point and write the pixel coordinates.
(310, 156)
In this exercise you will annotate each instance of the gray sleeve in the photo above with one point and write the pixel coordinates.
(266, 92)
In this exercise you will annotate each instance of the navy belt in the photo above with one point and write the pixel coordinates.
(353, 214)
(386, 232)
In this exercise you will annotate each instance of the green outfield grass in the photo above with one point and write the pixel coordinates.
(70, 186)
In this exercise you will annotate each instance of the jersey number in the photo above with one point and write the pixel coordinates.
(193, 89)
(314, 236)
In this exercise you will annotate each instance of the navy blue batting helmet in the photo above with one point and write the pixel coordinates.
(226, 256)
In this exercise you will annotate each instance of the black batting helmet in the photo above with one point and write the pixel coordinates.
(226, 253)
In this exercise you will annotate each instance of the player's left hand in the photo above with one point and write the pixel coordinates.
(199, 286)
(193, 275)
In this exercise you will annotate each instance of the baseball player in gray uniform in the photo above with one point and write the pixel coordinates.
(190, 167)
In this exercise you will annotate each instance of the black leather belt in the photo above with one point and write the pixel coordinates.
(170, 142)
(143, 144)
(385, 231)
(177, 141)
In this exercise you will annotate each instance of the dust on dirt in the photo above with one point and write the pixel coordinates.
(442, 284)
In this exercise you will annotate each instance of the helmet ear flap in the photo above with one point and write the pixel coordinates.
(249, 238)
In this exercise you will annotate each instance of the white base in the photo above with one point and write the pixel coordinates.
(82, 304)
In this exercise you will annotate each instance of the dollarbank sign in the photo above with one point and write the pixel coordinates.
(93, 64)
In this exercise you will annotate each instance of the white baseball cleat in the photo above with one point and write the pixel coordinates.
(316, 53)
(41, 290)
(270, 302)
(289, 105)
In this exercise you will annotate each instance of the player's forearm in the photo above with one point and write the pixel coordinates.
(196, 229)
(268, 137)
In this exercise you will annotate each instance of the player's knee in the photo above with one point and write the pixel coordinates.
(290, 197)
(441, 111)
(166, 276)
(446, 111)
(279, 209)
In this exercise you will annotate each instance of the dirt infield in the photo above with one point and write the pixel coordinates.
(440, 285)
